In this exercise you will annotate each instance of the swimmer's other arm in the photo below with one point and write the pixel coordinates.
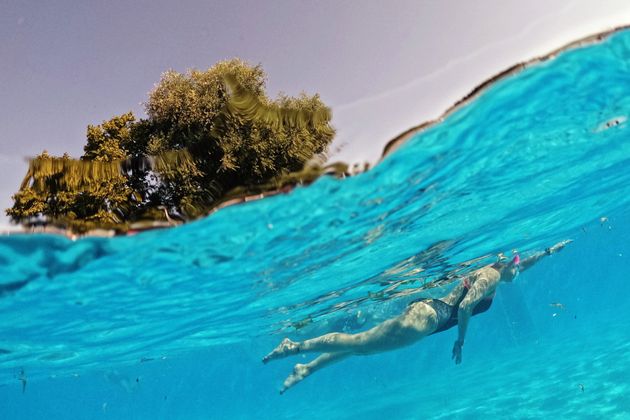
(480, 289)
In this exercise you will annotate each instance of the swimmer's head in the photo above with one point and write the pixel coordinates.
(513, 269)
(509, 269)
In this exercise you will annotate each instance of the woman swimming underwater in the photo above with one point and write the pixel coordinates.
(422, 317)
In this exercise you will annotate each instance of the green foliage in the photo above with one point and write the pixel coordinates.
(236, 134)
(28, 205)
(111, 140)
(80, 194)
(207, 132)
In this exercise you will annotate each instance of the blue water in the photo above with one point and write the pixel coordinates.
(172, 324)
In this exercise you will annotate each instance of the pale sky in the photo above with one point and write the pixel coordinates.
(382, 66)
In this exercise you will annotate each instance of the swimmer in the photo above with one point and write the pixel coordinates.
(422, 317)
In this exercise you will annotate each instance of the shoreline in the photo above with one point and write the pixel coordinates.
(592, 39)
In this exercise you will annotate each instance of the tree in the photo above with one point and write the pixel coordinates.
(236, 134)
(206, 133)
(81, 195)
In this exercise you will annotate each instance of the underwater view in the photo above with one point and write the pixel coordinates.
(174, 323)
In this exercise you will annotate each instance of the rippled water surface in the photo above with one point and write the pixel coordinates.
(172, 324)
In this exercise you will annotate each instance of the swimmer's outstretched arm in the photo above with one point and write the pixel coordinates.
(530, 261)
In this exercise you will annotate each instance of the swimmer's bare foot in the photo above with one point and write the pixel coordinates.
(300, 372)
(284, 349)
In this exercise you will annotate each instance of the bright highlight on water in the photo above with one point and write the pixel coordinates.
(173, 324)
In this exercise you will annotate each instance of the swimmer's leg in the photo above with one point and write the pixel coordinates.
(332, 342)
(389, 335)
(416, 323)
(284, 349)
(301, 371)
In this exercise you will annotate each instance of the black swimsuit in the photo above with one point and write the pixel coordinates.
(447, 314)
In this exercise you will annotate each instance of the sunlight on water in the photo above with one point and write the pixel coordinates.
(174, 322)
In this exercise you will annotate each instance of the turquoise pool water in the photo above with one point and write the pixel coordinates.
(173, 324)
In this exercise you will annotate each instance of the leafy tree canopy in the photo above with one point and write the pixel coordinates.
(206, 133)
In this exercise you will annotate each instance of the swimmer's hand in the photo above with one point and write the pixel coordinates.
(557, 247)
(457, 352)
